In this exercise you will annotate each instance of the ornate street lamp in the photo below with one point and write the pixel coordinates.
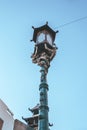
(44, 52)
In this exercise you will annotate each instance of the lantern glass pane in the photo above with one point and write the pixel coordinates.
(49, 39)
(41, 37)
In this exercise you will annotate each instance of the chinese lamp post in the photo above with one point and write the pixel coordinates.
(44, 52)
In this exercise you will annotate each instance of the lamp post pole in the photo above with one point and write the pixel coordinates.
(44, 52)
(43, 109)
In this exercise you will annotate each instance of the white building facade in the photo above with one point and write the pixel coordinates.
(6, 117)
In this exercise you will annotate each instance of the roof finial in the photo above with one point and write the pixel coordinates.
(33, 27)
(31, 40)
(57, 31)
(46, 22)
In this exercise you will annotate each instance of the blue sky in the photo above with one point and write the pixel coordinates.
(67, 77)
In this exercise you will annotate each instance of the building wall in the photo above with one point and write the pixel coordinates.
(7, 121)
(18, 125)
(6, 116)
(1, 123)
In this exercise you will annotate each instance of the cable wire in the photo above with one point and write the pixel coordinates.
(74, 21)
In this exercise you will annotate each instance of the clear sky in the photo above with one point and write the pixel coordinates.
(67, 77)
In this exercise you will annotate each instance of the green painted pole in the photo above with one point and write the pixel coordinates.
(44, 52)
(43, 109)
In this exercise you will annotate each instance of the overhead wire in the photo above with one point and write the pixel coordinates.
(74, 21)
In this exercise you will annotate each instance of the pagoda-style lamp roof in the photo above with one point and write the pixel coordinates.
(31, 121)
(41, 29)
(35, 110)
